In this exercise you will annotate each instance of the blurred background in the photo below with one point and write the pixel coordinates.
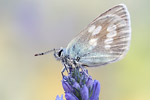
(33, 26)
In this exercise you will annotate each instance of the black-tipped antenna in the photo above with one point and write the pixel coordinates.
(40, 54)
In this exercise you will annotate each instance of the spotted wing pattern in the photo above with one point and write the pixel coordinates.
(106, 39)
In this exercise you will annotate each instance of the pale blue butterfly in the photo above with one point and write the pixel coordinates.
(105, 40)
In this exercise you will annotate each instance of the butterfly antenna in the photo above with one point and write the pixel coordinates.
(44, 53)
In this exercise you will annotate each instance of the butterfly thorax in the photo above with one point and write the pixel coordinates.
(62, 56)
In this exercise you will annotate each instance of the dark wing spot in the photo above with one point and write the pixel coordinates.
(78, 58)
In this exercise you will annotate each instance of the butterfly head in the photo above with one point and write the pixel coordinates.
(59, 54)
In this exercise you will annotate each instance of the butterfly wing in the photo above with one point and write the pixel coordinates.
(104, 40)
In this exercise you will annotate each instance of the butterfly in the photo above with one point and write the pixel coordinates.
(105, 40)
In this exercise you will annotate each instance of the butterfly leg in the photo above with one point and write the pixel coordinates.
(62, 71)
(66, 68)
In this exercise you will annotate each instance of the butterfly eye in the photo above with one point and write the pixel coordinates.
(60, 53)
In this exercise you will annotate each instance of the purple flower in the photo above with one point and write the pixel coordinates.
(59, 98)
(66, 86)
(95, 91)
(84, 93)
(80, 86)
(70, 96)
